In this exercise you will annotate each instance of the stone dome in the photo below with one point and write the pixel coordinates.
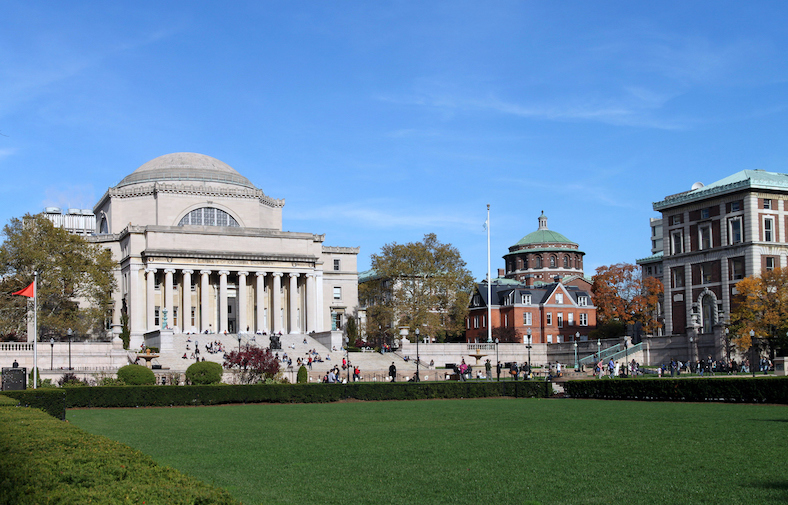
(186, 167)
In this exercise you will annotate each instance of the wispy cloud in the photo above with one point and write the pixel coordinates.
(6, 152)
(388, 214)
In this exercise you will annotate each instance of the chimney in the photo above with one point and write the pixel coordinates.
(501, 272)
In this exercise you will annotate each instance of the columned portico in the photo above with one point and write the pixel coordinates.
(260, 323)
(186, 311)
(223, 300)
(167, 303)
(242, 301)
(150, 300)
(276, 293)
(205, 286)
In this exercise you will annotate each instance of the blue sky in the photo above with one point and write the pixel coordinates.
(380, 122)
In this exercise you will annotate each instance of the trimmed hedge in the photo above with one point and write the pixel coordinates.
(164, 396)
(46, 461)
(50, 400)
(741, 390)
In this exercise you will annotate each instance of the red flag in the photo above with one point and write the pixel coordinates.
(28, 291)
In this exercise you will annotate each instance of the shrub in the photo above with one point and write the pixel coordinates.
(70, 379)
(110, 381)
(302, 375)
(58, 463)
(136, 375)
(204, 372)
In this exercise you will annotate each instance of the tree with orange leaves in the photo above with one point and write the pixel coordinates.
(621, 293)
(761, 306)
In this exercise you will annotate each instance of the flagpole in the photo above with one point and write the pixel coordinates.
(35, 330)
(489, 281)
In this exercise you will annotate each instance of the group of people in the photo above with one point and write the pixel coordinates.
(333, 376)
(214, 347)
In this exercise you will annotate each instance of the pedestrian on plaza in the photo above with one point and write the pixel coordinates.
(488, 370)
(498, 369)
(393, 372)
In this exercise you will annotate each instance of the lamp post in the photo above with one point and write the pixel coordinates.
(239, 343)
(528, 346)
(417, 356)
(728, 344)
(577, 365)
(347, 357)
(51, 353)
(599, 348)
(626, 356)
(752, 354)
(69, 332)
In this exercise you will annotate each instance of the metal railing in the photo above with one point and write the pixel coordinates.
(592, 359)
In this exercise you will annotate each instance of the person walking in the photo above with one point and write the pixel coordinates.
(488, 370)
(393, 372)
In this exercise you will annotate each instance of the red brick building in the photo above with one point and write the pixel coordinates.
(542, 289)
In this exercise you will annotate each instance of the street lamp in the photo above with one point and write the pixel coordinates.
(528, 346)
(417, 356)
(51, 353)
(752, 354)
(728, 345)
(239, 343)
(577, 365)
(599, 348)
(70, 332)
(626, 356)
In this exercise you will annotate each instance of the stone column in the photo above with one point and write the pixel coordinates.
(319, 310)
(223, 300)
(150, 298)
(186, 305)
(311, 302)
(260, 295)
(242, 301)
(205, 286)
(292, 304)
(168, 296)
(276, 293)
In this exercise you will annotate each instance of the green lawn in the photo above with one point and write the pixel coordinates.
(468, 451)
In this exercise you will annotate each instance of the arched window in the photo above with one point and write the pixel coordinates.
(566, 261)
(552, 261)
(208, 216)
(103, 227)
(538, 261)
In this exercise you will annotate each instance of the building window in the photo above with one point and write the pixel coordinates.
(337, 293)
(336, 321)
(677, 242)
(336, 265)
(582, 301)
(770, 263)
(675, 219)
(767, 203)
(476, 322)
(156, 282)
(175, 316)
(735, 206)
(156, 312)
(705, 237)
(538, 262)
(208, 216)
(768, 229)
(570, 318)
(549, 339)
(705, 273)
(506, 319)
(194, 316)
(704, 213)
(560, 318)
(527, 319)
(736, 268)
(583, 319)
(734, 231)
(559, 298)
(552, 261)
(566, 261)
(677, 276)
(549, 318)
(526, 299)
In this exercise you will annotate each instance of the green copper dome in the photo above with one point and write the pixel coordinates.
(543, 235)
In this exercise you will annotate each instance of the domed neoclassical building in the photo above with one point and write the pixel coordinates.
(201, 248)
